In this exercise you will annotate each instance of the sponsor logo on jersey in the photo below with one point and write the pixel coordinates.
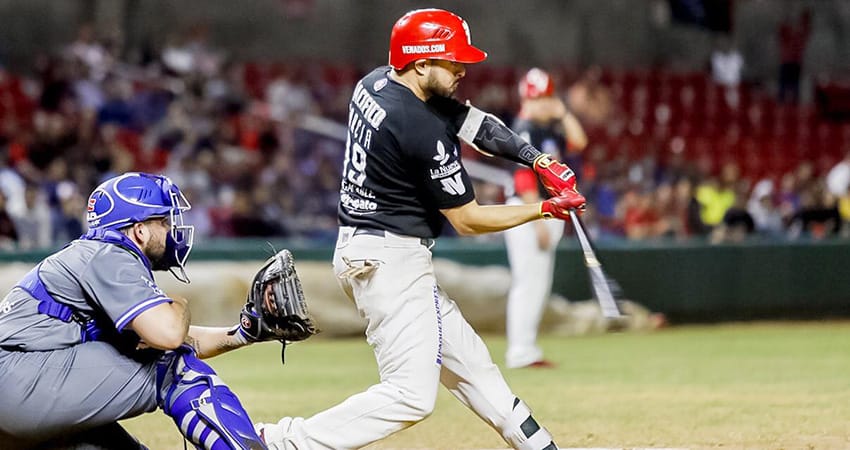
(6, 307)
(379, 84)
(359, 190)
(419, 49)
(453, 185)
(152, 285)
(442, 156)
(439, 315)
(445, 171)
(357, 205)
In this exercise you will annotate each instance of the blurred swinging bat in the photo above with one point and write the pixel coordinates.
(604, 287)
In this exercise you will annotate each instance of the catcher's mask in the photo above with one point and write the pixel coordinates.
(278, 297)
(135, 197)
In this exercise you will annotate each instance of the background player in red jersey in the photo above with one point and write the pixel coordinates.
(545, 123)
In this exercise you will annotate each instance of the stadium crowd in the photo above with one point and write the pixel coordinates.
(671, 155)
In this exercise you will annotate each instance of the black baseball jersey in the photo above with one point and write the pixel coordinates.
(402, 159)
(548, 138)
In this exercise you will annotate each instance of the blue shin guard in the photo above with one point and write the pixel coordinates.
(205, 410)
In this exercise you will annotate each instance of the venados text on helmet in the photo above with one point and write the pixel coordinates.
(419, 49)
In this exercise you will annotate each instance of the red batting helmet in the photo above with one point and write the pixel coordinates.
(535, 84)
(432, 34)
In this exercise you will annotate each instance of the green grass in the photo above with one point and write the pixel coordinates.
(754, 386)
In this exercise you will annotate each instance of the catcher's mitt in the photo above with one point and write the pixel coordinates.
(276, 308)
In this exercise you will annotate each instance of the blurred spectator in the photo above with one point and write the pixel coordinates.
(87, 91)
(68, 219)
(818, 215)
(689, 209)
(191, 53)
(590, 100)
(289, 96)
(788, 197)
(762, 207)
(737, 222)
(247, 219)
(116, 109)
(640, 217)
(716, 196)
(671, 222)
(12, 186)
(33, 226)
(727, 64)
(793, 36)
(838, 184)
(90, 52)
(8, 232)
(602, 195)
(838, 177)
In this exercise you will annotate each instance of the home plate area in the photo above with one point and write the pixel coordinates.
(591, 448)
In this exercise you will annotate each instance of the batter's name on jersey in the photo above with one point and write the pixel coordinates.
(357, 129)
(357, 205)
(445, 171)
(371, 110)
(419, 49)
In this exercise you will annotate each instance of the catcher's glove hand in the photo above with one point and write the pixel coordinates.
(276, 308)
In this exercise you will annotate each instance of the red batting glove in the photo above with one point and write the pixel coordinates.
(555, 176)
(560, 207)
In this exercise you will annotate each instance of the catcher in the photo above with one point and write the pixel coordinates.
(87, 338)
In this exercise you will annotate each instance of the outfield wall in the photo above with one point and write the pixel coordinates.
(689, 282)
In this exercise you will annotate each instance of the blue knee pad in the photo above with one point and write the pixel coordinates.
(205, 410)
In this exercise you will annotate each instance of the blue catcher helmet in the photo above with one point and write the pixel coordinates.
(135, 197)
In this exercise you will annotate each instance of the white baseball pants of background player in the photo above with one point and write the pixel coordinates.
(531, 285)
(420, 340)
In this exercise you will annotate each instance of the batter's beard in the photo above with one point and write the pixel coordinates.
(435, 88)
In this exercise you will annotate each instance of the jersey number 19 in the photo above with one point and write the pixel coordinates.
(354, 166)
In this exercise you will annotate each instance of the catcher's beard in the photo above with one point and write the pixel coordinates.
(155, 251)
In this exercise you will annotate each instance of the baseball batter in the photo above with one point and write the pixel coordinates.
(544, 122)
(402, 176)
(87, 338)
